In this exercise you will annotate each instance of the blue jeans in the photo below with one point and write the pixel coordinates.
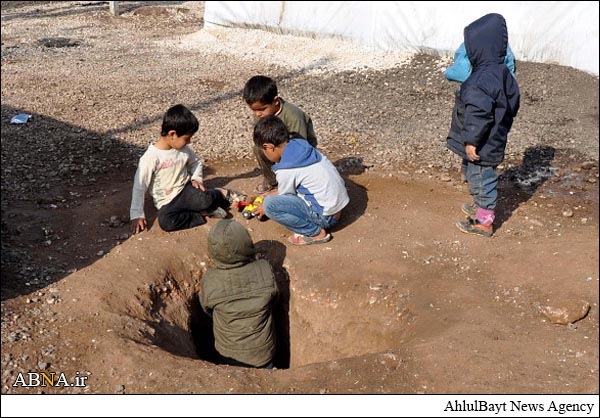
(483, 185)
(292, 212)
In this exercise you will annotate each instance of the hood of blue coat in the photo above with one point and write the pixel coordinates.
(486, 40)
(230, 245)
(298, 153)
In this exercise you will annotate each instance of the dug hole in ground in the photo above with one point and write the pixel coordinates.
(399, 301)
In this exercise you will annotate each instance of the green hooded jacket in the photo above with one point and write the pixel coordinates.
(238, 294)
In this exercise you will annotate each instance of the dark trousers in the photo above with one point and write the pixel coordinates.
(184, 211)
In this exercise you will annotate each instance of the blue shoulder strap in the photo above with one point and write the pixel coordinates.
(460, 70)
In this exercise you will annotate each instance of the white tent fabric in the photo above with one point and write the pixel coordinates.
(560, 32)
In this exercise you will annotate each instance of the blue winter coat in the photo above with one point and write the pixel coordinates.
(488, 100)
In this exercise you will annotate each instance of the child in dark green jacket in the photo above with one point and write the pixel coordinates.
(261, 96)
(238, 294)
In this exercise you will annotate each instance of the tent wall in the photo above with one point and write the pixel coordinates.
(559, 32)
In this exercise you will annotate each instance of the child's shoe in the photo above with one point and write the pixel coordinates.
(470, 209)
(234, 197)
(471, 226)
(219, 213)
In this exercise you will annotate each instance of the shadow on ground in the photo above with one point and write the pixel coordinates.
(358, 194)
(51, 170)
(518, 184)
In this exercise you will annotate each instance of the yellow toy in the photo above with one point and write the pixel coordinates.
(251, 207)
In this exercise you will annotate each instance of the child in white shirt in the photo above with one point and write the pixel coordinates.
(166, 169)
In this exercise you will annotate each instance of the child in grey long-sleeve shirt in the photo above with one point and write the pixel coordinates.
(166, 169)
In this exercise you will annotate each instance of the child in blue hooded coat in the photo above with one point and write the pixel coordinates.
(486, 104)
(311, 193)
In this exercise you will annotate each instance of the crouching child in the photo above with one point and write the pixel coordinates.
(311, 193)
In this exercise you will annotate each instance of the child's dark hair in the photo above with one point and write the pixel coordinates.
(179, 119)
(270, 129)
(260, 89)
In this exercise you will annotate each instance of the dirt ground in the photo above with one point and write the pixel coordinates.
(399, 301)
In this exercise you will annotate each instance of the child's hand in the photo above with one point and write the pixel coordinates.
(138, 225)
(198, 185)
(259, 212)
(471, 152)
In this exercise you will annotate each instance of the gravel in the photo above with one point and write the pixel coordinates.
(317, 57)
(112, 88)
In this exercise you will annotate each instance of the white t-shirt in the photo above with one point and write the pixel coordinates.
(164, 173)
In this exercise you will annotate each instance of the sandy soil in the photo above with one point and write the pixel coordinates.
(398, 302)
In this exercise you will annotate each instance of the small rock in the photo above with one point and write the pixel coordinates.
(536, 222)
(445, 177)
(567, 212)
(569, 312)
(42, 365)
(588, 165)
(120, 389)
(100, 253)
